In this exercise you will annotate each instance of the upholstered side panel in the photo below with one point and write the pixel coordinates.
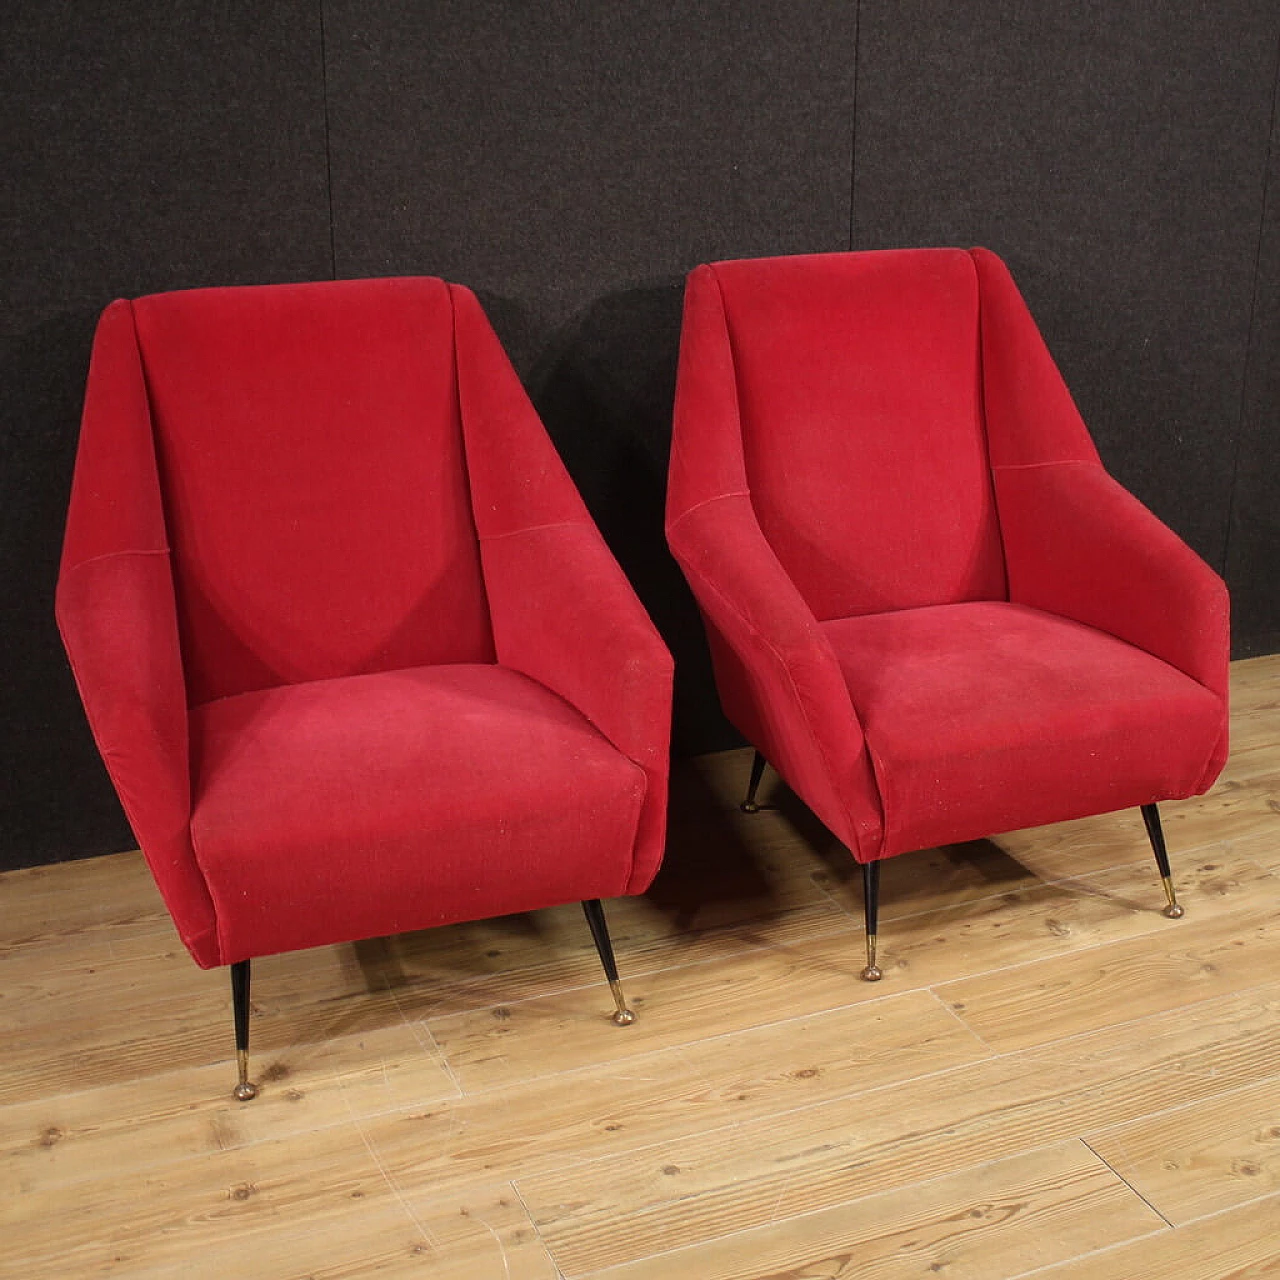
(860, 392)
(314, 481)
(116, 613)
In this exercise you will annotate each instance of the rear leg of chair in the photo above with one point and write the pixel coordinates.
(245, 1089)
(1151, 816)
(600, 933)
(749, 805)
(871, 911)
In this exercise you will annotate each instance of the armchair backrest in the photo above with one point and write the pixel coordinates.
(314, 486)
(859, 392)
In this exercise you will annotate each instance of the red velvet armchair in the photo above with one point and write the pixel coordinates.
(928, 604)
(356, 658)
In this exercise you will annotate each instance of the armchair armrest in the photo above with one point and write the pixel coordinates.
(776, 673)
(1078, 544)
(562, 611)
(564, 615)
(778, 677)
(117, 616)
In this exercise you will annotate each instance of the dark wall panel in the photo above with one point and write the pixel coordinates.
(553, 153)
(1253, 559)
(149, 146)
(571, 163)
(1113, 154)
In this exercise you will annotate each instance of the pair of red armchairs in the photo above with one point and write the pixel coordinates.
(358, 661)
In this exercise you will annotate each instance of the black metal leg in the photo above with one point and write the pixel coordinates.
(1151, 816)
(600, 934)
(871, 910)
(245, 1089)
(757, 772)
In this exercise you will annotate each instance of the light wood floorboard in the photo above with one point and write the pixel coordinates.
(1053, 1080)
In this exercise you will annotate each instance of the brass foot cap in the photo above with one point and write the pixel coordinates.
(246, 1092)
(872, 973)
(749, 806)
(624, 1018)
(1175, 911)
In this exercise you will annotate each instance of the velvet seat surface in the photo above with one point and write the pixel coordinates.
(928, 605)
(957, 699)
(353, 651)
(297, 786)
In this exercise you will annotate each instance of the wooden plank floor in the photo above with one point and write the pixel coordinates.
(1052, 1079)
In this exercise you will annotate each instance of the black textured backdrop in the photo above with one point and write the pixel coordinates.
(571, 161)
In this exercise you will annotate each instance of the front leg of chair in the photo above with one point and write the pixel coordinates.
(600, 933)
(871, 910)
(749, 805)
(245, 1089)
(1151, 816)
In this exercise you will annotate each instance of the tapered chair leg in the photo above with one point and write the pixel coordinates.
(1151, 816)
(749, 805)
(871, 910)
(245, 1089)
(600, 933)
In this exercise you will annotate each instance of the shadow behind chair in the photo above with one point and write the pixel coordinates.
(355, 656)
(928, 604)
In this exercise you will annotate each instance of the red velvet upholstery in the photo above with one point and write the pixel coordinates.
(402, 799)
(353, 651)
(928, 605)
(267, 422)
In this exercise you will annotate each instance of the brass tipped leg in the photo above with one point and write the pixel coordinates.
(246, 1089)
(600, 934)
(871, 911)
(749, 805)
(1151, 816)
(623, 1016)
(872, 972)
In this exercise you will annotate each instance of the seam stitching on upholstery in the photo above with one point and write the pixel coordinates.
(116, 555)
(1053, 462)
(706, 502)
(532, 528)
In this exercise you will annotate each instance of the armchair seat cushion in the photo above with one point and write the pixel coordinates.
(309, 803)
(987, 717)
